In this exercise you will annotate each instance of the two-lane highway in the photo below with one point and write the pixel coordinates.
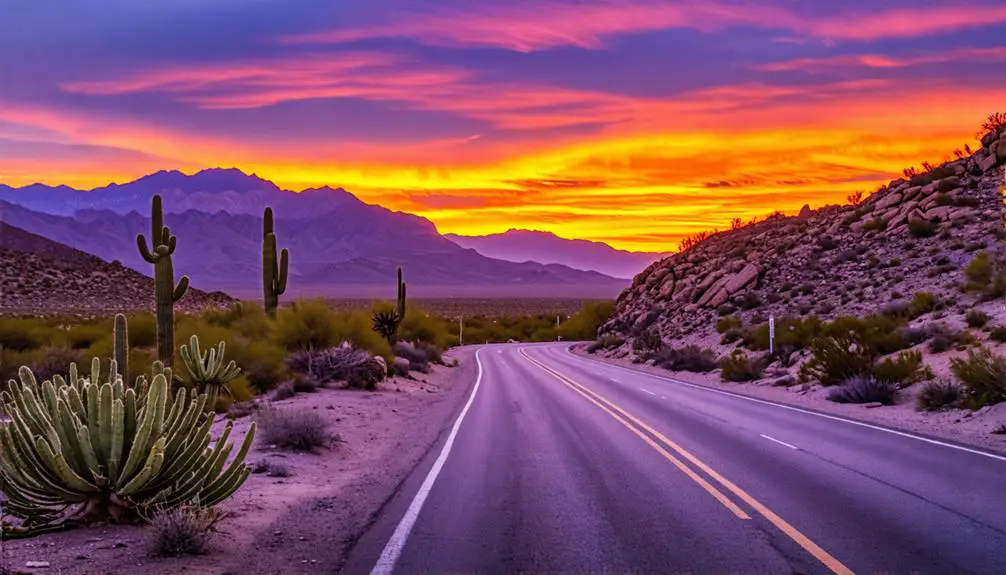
(563, 464)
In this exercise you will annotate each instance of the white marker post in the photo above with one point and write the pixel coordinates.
(461, 330)
(771, 334)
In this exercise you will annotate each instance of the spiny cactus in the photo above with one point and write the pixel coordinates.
(386, 322)
(400, 306)
(120, 350)
(77, 451)
(207, 369)
(273, 276)
(162, 247)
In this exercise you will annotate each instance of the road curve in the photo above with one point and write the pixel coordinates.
(563, 464)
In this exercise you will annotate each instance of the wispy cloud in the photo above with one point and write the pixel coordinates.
(526, 26)
(883, 61)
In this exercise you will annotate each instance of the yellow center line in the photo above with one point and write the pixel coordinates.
(802, 540)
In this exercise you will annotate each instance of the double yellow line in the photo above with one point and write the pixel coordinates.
(638, 427)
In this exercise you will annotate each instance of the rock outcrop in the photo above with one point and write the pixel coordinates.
(913, 234)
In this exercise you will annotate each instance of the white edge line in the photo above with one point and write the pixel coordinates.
(386, 563)
(777, 441)
(792, 408)
(648, 391)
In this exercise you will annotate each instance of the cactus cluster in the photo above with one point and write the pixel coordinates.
(274, 271)
(84, 450)
(386, 322)
(162, 247)
(207, 370)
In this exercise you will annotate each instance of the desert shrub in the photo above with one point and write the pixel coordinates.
(421, 327)
(979, 271)
(922, 303)
(83, 336)
(262, 362)
(837, 359)
(648, 341)
(877, 334)
(998, 334)
(920, 228)
(738, 367)
(977, 318)
(417, 357)
(937, 394)
(283, 391)
(21, 334)
(304, 383)
(796, 332)
(400, 367)
(585, 323)
(904, 370)
(913, 336)
(343, 363)
(143, 330)
(271, 468)
(731, 335)
(54, 361)
(433, 353)
(750, 300)
(606, 342)
(294, 429)
(726, 309)
(875, 224)
(983, 375)
(307, 324)
(863, 389)
(689, 358)
(184, 530)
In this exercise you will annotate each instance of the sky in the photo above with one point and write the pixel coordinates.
(633, 122)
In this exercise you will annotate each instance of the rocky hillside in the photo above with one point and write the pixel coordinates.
(918, 234)
(42, 277)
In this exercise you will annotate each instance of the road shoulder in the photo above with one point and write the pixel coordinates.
(957, 425)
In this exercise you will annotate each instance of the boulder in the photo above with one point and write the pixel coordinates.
(742, 278)
(720, 298)
(910, 193)
(804, 212)
(887, 201)
(1001, 149)
(988, 162)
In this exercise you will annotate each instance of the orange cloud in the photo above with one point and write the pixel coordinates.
(526, 26)
(881, 61)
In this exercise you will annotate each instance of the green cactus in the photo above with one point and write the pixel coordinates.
(120, 351)
(80, 451)
(273, 275)
(386, 322)
(400, 307)
(207, 370)
(167, 293)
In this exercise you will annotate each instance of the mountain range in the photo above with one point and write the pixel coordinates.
(548, 248)
(339, 245)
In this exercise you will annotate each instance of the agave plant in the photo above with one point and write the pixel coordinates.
(77, 451)
(207, 369)
(386, 323)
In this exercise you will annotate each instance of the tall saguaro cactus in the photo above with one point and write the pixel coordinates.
(120, 351)
(162, 247)
(273, 273)
(400, 306)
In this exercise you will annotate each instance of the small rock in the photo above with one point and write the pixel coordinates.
(873, 404)
(277, 533)
(37, 564)
(119, 545)
(81, 557)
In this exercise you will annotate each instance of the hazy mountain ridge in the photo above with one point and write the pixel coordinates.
(545, 247)
(333, 237)
(38, 275)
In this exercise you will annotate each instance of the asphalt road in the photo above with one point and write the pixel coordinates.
(562, 464)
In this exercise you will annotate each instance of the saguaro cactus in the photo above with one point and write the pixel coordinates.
(273, 275)
(162, 247)
(400, 307)
(120, 351)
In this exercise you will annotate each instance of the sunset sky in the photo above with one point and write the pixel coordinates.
(633, 122)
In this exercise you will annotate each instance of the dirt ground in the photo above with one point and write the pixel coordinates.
(959, 425)
(304, 523)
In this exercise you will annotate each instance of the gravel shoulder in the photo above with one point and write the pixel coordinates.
(963, 426)
(305, 523)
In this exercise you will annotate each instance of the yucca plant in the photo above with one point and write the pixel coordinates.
(78, 451)
(386, 323)
(207, 370)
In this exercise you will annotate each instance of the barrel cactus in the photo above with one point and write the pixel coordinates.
(80, 451)
(207, 370)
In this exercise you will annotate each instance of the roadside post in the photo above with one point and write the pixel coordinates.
(771, 334)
